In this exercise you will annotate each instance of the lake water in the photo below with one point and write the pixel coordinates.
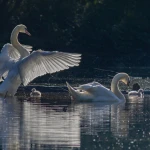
(38, 124)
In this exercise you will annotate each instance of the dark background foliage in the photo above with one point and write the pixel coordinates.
(109, 33)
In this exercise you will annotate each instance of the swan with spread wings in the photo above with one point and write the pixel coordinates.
(38, 63)
(18, 66)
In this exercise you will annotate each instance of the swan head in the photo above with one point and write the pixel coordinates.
(23, 29)
(141, 91)
(123, 77)
(33, 90)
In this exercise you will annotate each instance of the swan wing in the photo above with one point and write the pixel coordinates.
(94, 83)
(27, 47)
(99, 89)
(41, 62)
(8, 56)
(89, 85)
(84, 87)
(1, 79)
(3, 70)
(9, 51)
(5, 73)
(5, 66)
(103, 93)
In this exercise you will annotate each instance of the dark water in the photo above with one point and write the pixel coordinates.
(86, 126)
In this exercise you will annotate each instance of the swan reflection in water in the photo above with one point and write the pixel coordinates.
(39, 126)
(32, 125)
(104, 117)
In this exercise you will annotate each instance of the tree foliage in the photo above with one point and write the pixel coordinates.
(116, 31)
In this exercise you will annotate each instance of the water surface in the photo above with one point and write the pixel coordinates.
(86, 126)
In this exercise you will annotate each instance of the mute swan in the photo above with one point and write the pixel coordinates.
(96, 92)
(36, 64)
(11, 53)
(35, 93)
(138, 93)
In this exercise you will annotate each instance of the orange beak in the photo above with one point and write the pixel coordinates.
(26, 31)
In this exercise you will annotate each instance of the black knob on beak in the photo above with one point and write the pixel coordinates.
(128, 83)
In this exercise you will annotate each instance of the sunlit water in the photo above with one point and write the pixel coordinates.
(85, 126)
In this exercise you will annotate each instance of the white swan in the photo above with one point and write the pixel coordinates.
(11, 53)
(138, 93)
(36, 64)
(96, 92)
(24, 50)
(35, 93)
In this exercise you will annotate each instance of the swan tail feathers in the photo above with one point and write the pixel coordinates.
(71, 90)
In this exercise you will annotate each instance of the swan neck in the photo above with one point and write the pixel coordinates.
(115, 88)
(14, 41)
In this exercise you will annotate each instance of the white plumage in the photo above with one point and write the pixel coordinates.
(12, 53)
(138, 93)
(35, 94)
(37, 64)
(23, 67)
(96, 92)
(42, 62)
